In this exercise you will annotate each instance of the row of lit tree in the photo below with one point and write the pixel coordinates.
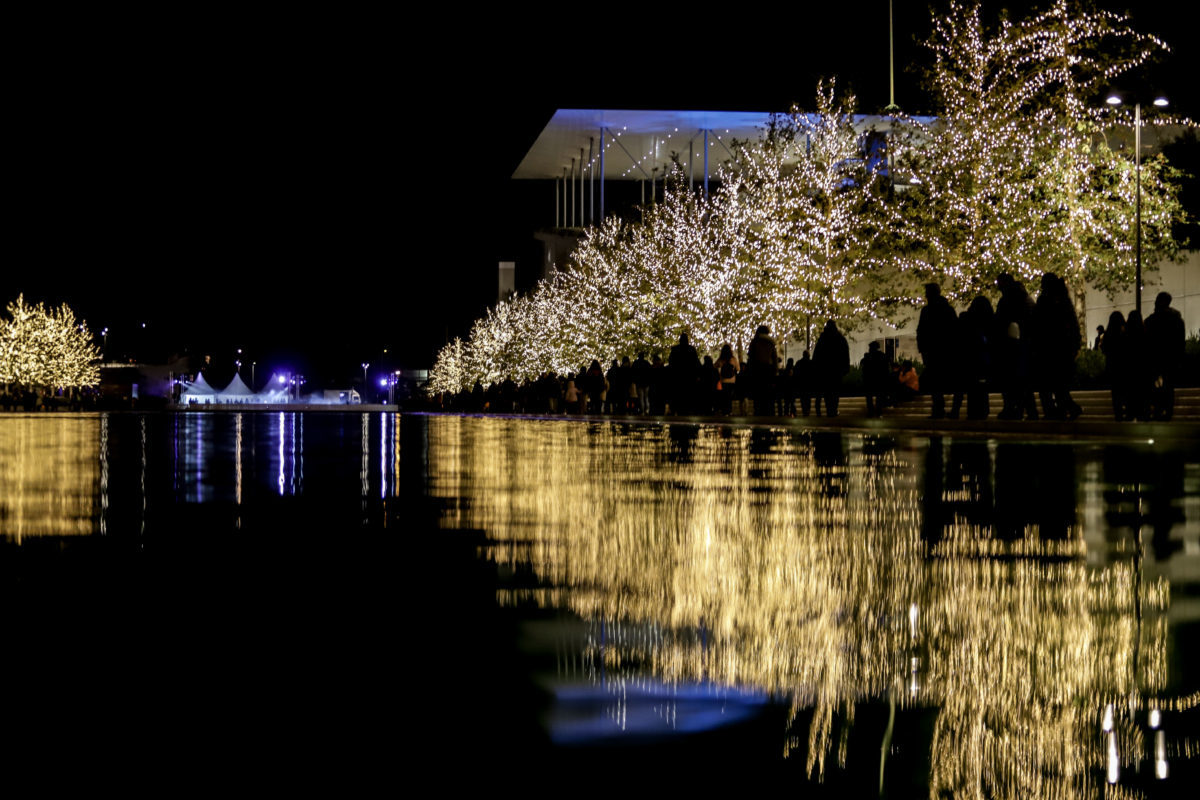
(1015, 174)
(46, 347)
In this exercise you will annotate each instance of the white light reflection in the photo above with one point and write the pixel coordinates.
(1155, 718)
(281, 415)
(913, 613)
(292, 452)
(237, 446)
(1107, 724)
(364, 467)
(383, 425)
(1160, 755)
(1114, 759)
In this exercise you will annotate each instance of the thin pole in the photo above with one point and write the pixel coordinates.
(602, 149)
(591, 180)
(571, 224)
(691, 163)
(891, 62)
(564, 197)
(581, 187)
(1137, 146)
(556, 204)
(706, 162)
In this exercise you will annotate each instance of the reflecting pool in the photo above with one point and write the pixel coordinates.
(894, 615)
(1003, 619)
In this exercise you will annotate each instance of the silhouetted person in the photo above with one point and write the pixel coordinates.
(1115, 347)
(1013, 334)
(614, 397)
(1099, 343)
(658, 386)
(975, 328)
(831, 360)
(1165, 338)
(875, 373)
(804, 382)
(1056, 343)
(595, 384)
(727, 368)
(785, 387)
(761, 363)
(1137, 368)
(630, 403)
(640, 371)
(710, 379)
(936, 331)
(683, 366)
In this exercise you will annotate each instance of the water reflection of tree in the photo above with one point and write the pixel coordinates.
(49, 475)
(837, 572)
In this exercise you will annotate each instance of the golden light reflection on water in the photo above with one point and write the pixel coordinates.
(833, 571)
(49, 474)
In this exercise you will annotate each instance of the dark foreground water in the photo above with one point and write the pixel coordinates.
(352, 598)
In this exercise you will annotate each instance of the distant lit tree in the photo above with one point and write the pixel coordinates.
(46, 348)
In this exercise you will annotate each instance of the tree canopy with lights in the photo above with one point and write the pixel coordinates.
(46, 347)
(1017, 173)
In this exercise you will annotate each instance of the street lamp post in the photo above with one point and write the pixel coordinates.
(1115, 100)
(365, 364)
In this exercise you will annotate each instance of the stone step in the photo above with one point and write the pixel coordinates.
(1095, 403)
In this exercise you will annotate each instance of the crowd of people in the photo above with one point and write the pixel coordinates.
(684, 384)
(1025, 347)
(1020, 348)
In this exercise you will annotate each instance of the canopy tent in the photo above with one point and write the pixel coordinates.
(276, 390)
(236, 392)
(198, 391)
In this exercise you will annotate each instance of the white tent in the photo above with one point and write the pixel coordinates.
(276, 390)
(198, 391)
(236, 392)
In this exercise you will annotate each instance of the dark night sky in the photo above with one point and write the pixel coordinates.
(329, 187)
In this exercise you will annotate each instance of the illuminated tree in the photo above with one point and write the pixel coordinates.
(449, 371)
(74, 355)
(24, 344)
(51, 348)
(1016, 175)
(809, 204)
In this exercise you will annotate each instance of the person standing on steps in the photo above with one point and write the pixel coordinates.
(936, 339)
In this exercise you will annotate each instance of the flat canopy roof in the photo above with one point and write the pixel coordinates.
(640, 142)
